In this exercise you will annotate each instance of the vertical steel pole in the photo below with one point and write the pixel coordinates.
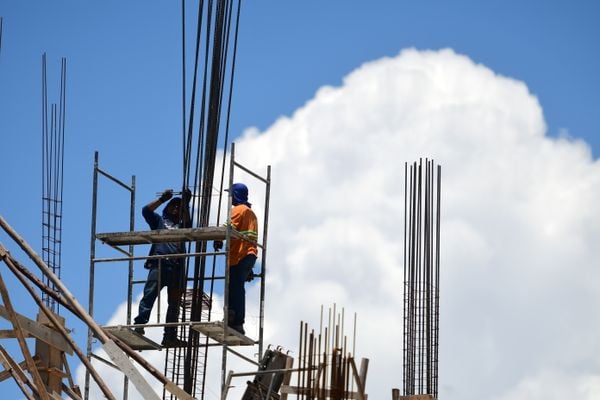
(263, 274)
(91, 284)
(226, 288)
(130, 275)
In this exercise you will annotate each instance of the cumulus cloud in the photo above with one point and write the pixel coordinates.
(518, 220)
(518, 284)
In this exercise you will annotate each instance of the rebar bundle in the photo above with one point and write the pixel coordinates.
(326, 366)
(53, 138)
(205, 120)
(421, 278)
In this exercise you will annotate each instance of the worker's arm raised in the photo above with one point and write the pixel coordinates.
(148, 210)
(187, 197)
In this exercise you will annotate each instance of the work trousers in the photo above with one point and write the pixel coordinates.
(237, 293)
(172, 276)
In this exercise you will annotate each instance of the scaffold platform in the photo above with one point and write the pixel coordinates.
(229, 336)
(132, 339)
(163, 236)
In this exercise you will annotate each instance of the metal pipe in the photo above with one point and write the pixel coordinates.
(130, 272)
(249, 172)
(263, 274)
(154, 257)
(112, 178)
(86, 390)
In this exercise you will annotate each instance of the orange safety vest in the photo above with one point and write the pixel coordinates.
(243, 220)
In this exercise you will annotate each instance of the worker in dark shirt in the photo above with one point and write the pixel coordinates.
(171, 271)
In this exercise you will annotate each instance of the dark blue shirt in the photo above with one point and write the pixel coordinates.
(155, 221)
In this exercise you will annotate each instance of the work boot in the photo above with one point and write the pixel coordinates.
(239, 328)
(172, 341)
(139, 330)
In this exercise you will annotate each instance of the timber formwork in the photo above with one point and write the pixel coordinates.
(213, 333)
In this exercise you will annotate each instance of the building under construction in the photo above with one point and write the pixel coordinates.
(325, 366)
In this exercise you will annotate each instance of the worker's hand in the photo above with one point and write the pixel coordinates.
(218, 245)
(166, 195)
(250, 275)
(187, 195)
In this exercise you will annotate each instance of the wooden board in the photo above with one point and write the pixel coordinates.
(163, 236)
(41, 332)
(132, 338)
(230, 337)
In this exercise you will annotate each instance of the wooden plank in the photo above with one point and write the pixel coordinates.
(230, 337)
(417, 397)
(41, 332)
(13, 369)
(73, 393)
(163, 236)
(6, 373)
(289, 363)
(67, 297)
(133, 339)
(127, 367)
(13, 318)
(10, 334)
(51, 357)
(168, 385)
(364, 367)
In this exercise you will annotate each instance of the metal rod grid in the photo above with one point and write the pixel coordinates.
(421, 278)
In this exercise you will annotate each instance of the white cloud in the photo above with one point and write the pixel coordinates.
(518, 220)
(552, 384)
(519, 283)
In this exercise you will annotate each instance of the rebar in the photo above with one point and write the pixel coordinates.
(421, 278)
(53, 137)
(326, 365)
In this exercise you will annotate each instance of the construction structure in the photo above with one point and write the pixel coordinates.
(326, 366)
(53, 144)
(200, 334)
(423, 181)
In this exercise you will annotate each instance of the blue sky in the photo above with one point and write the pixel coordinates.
(124, 84)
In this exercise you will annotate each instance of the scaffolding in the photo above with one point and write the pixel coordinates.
(200, 333)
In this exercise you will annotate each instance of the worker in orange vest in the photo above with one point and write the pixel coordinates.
(242, 254)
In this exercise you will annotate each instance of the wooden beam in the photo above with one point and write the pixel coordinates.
(364, 367)
(359, 383)
(4, 375)
(289, 363)
(10, 334)
(13, 369)
(12, 316)
(73, 393)
(21, 272)
(163, 236)
(39, 331)
(108, 345)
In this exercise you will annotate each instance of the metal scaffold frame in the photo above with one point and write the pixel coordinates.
(213, 333)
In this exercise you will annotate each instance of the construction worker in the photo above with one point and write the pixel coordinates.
(169, 272)
(242, 254)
